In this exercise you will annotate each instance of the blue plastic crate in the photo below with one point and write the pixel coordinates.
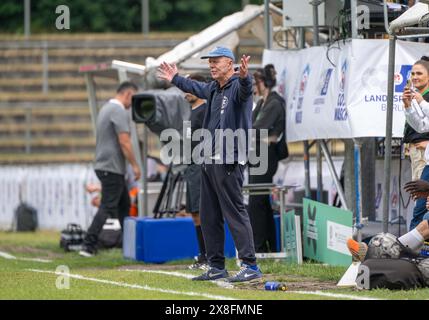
(161, 240)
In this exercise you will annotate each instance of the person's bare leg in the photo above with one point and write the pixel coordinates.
(423, 229)
(415, 238)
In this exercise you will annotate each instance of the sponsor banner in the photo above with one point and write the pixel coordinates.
(325, 233)
(341, 91)
(337, 237)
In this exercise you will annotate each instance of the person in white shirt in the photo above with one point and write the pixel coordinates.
(416, 110)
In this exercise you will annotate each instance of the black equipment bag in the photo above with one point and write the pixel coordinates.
(72, 237)
(397, 274)
(109, 238)
(26, 217)
(111, 235)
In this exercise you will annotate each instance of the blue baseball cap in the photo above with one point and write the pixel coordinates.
(219, 52)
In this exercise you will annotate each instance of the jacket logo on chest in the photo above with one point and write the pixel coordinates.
(224, 104)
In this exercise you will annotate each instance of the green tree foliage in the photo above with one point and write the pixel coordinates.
(118, 15)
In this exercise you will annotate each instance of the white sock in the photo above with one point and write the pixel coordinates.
(413, 240)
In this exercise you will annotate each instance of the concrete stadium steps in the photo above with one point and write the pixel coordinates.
(83, 56)
(45, 128)
(40, 158)
(55, 84)
(41, 133)
(22, 59)
(58, 54)
(37, 142)
(69, 95)
(90, 37)
(66, 110)
(38, 81)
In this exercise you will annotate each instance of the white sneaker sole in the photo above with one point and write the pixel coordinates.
(85, 254)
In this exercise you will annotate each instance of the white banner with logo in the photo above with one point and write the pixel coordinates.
(341, 91)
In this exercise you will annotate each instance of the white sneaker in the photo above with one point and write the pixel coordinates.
(86, 254)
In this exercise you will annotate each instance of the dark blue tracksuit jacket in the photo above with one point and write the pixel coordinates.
(234, 98)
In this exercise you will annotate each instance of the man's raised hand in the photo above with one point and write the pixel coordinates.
(244, 66)
(166, 71)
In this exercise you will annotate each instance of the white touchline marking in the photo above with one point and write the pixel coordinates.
(7, 255)
(134, 286)
(172, 273)
(222, 284)
(11, 257)
(334, 295)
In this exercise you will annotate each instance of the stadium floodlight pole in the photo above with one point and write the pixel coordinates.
(27, 18)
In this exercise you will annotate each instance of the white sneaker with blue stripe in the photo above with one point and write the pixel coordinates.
(246, 273)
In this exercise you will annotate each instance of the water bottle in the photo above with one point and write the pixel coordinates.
(424, 252)
(274, 286)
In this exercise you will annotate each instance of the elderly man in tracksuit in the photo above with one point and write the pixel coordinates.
(229, 100)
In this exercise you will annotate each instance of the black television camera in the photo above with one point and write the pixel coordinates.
(161, 109)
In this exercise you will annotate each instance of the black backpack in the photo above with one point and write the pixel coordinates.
(26, 217)
(395, 274)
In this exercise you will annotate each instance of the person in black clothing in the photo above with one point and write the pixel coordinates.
(112, 149)
(269, 114)
(417, 141)
(193, 173)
